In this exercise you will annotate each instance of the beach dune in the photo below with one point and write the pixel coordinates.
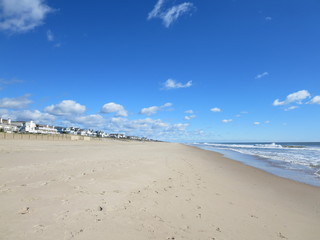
(145, 190)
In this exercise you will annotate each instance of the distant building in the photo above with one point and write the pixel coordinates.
(61, 130)
(117, 135)
(46, 129)
(28, 127)
(67, 130)
(6, 125)
(101, 134)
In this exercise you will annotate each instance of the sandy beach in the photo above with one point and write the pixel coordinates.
(136, 190)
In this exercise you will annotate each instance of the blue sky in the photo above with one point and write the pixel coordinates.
(218, 70)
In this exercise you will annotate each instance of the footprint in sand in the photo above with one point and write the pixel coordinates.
(282, 236)
(25, 210)
(38, 228)
(73, 234)
(158, 218)
(3, 188)
(185, 228)
(67, 179)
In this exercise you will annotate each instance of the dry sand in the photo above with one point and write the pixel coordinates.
(134, 190)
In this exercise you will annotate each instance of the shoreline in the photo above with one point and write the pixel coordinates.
(256, 168)
(284, 169)
(151, 190)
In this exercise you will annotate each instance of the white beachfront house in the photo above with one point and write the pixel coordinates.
(82, 132)
(6, 125)
(28, 127)
(135, 138)
(67, 130)
(117, 135)
(31, 127)
(101, 134)
(46, 129)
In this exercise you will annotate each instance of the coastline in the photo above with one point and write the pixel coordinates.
(300, 166)
(229, 157)
(136, 190)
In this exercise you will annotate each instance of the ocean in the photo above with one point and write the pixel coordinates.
(299, 161)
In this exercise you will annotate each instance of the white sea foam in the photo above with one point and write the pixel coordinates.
(260, 145)
(299, 161)
(296, 154)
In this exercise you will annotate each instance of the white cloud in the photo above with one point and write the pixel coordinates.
(168, 15)
(180, 126)
(15, 103)
(257, 123)
(190, 117)
(244, 112)
(28, 115)
(3, 113)
(175, 12)
(154, 128)
(267, 122)
(167, 105)
(227, 120)
(189, 111)
(50, 36)
(112, 107)
(22, 15)
(150, 110)
(4, 82)
(268, 18)
(90, 121)
(315, 100)
(277, 103)
(241, 113)
(264, 74)
(95, 121)
(66, 107)
(139, 126)
(172, 84)
(215, 109)
(154, 109)
(291, 108)
(295, 97)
